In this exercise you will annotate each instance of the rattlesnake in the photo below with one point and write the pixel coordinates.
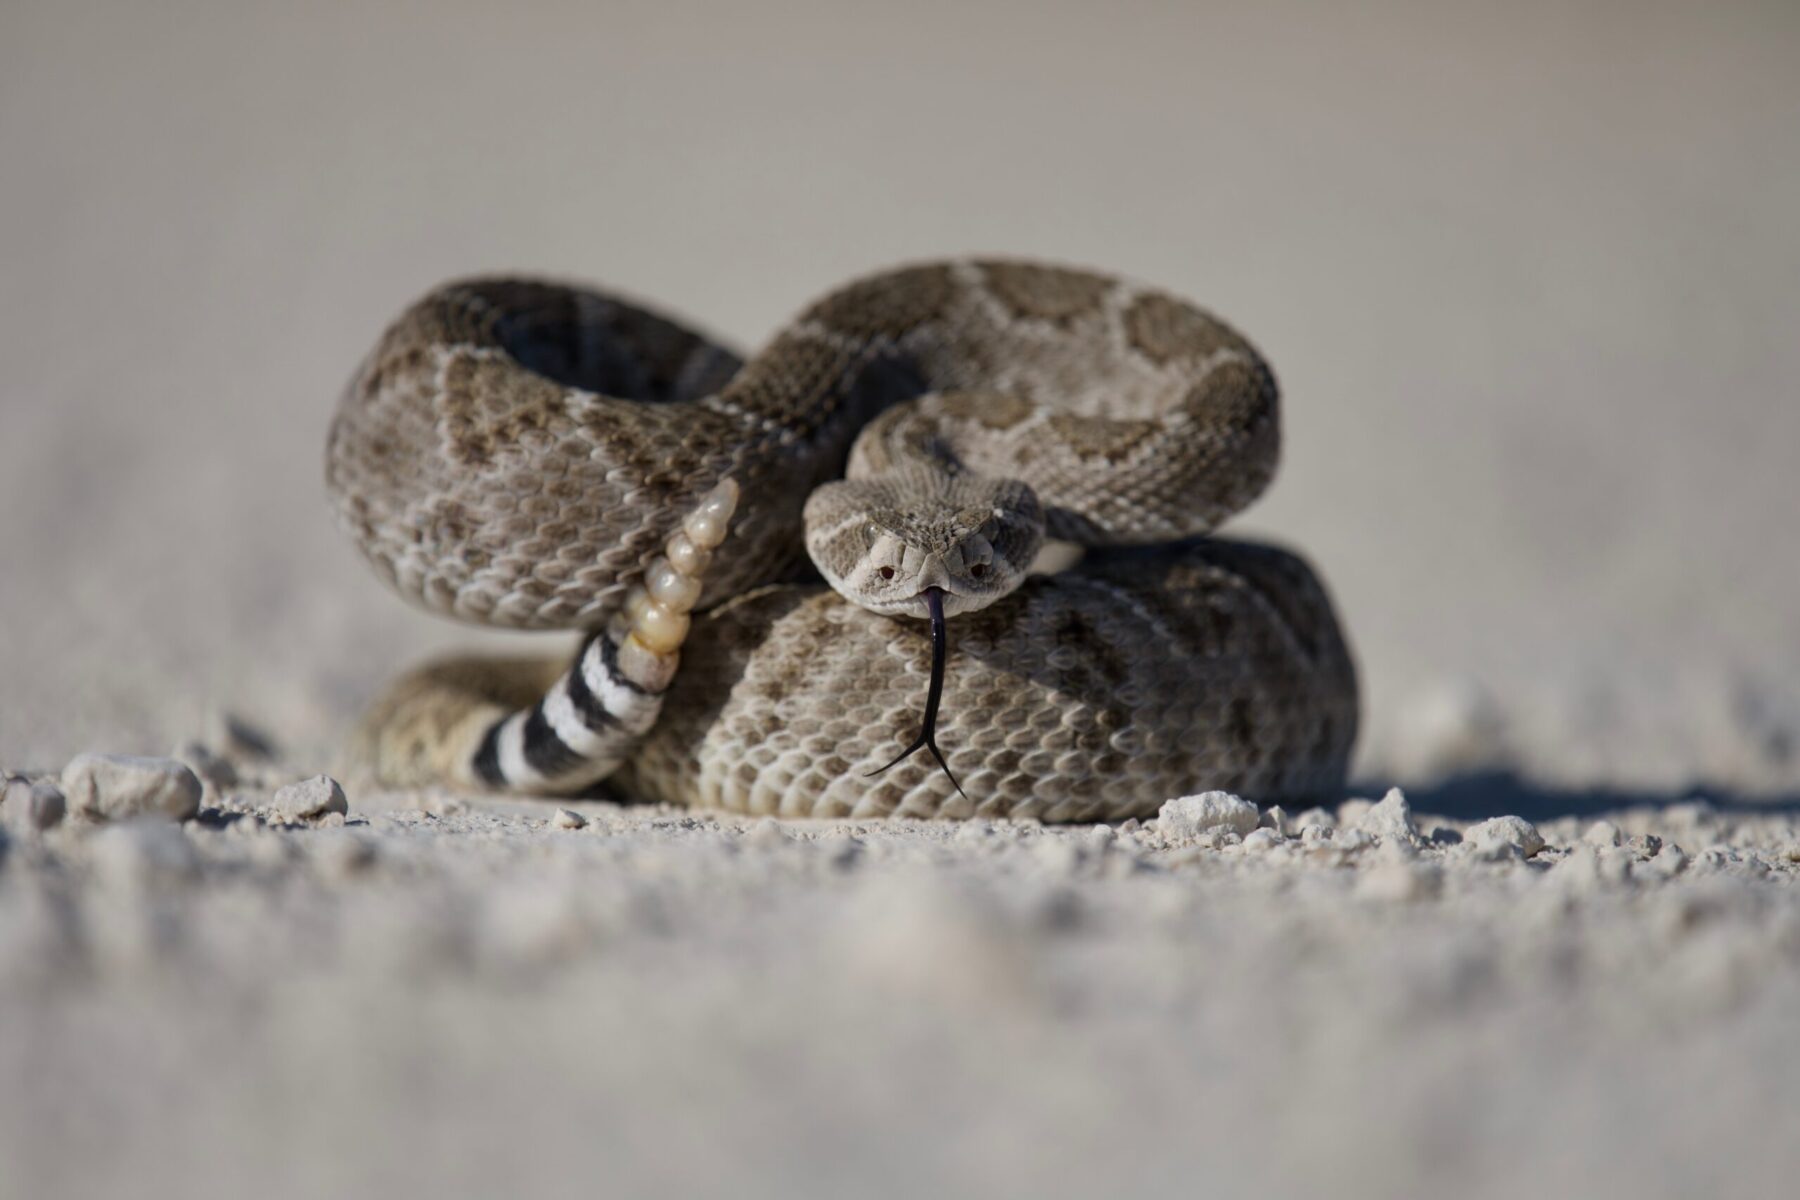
(526, 454)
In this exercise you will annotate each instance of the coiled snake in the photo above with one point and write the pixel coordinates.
(525, 454)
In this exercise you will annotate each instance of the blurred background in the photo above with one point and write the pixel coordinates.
(1529, 273)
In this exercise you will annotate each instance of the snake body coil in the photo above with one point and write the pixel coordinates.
(530, 455)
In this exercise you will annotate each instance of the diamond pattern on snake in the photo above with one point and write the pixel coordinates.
(943, 548)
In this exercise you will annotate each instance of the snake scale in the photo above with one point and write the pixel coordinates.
(961, 506)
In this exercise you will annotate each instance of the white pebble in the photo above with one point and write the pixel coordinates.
(1499, 834)
(113, 787)
(1188, 816)
(1261, 839)
(1276, 817)
(311, 799)
(1316, 818)
(568, 818)
(1391, 820)
(1602, 833)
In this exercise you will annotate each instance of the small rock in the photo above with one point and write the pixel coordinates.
(568, 818)
(1189, 816)
(311, 799)
(1496, 836)
(1276, 817)
(1313, 835)
(25, 805)
(1352, 840)
(143, 852)
(1602, 833)
(1391, 820)
(113, 787)
(1261, 839)
(1351, 812)
(1647, 845)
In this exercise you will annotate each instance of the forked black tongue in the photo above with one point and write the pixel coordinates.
(934, 602)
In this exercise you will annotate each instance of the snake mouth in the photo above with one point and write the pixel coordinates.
(940, 639)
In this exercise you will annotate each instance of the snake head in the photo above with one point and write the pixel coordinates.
(882, 542)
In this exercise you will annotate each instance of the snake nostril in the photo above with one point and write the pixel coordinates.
(886, 572)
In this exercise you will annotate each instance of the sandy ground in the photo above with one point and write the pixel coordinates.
(434, 998)
(1527, 274)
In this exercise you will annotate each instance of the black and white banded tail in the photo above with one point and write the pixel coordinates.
(594, 715)
(583, 728)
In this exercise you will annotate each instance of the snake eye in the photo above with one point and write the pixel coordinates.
(978, 570)
(886, 572)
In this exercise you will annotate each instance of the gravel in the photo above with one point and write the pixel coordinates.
(437, 983)
(455, 995)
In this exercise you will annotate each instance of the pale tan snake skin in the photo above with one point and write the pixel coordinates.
(521, 453)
